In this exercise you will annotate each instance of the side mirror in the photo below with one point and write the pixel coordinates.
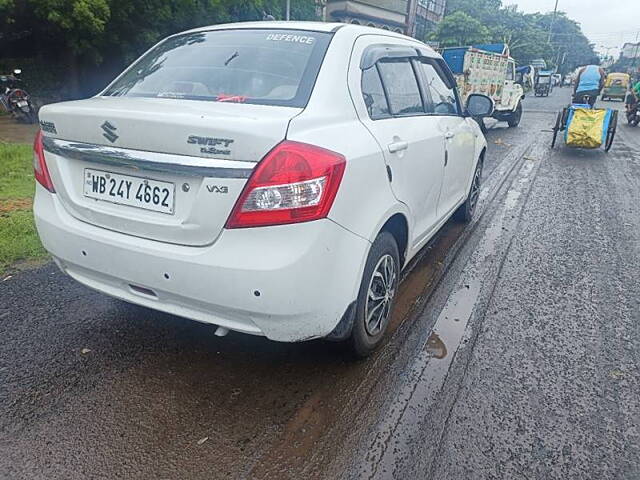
(479, 105)
(17, 71)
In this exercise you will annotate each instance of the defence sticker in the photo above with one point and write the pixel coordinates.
(287, 37)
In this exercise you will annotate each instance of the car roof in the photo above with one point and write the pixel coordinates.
(310, 26)
(352, 29)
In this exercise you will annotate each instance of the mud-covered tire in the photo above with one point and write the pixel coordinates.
(515, 117)
(464, 213)
(365, 335)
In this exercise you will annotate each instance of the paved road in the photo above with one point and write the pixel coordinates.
(514, 354)
(544, 380)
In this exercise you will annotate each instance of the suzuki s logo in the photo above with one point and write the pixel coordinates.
(109, 131)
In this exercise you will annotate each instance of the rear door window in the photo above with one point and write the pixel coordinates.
(373, 94)
(401, 85)
(269, 67)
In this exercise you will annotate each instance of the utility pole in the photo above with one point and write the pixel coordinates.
(558, 60)
(553, 18)
(635, 55)
(288, 14)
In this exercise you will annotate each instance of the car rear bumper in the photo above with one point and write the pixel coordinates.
(289, 283)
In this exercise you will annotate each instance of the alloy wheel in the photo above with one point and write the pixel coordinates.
(475, 187)
(382, 289)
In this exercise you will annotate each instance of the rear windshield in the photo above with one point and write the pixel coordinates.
(269, 67)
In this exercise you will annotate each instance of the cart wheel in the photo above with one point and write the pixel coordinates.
(565, 117)
(556, 129)
(611, 133)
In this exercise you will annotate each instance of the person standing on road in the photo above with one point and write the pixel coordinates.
(633, 96)
(589, 83)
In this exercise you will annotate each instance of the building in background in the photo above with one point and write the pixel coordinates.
(387, 14)
(412, 17)
(630, 50)
(424, 16)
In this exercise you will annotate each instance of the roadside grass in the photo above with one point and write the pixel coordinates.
(16, 171)
(18, 238)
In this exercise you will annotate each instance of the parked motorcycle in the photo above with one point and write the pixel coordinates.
(633, 115)
(15, 100)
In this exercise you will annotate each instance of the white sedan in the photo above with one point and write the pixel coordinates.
(267, 178)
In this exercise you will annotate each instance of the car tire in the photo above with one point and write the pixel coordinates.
(515, 117)
(464, 213)
(377, 293)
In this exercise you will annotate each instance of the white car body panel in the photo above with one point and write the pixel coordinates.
(165, 129)
(161, 125)
(461, 158)
(299, 295)
(288, 282)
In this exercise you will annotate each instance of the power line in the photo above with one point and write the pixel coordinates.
(600, 35)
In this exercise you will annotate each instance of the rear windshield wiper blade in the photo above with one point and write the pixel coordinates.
(228, 61)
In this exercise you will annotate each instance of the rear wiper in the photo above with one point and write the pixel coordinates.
(235, 55)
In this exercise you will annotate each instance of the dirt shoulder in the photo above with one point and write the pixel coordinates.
(12, 131)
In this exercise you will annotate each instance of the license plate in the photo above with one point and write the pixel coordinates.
(22, 103)
(129, 190)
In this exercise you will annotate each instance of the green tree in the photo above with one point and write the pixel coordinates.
(482, 10)
(526, 34)
(79, 22)
(461, 29)
(568, 41)
(92, 40)
(518, 30)
(74, 26)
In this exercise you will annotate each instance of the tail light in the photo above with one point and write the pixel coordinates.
(295, 182)
(40, 169)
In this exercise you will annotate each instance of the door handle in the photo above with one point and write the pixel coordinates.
(398, 146)
(449, 135)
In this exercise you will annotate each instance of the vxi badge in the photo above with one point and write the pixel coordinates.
(210, 145)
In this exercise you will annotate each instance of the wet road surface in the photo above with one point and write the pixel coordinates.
(514, 354)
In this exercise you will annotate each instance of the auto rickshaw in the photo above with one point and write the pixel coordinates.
(615, 86)
(543, 84)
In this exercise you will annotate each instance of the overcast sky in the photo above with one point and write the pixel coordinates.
(607, 23)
